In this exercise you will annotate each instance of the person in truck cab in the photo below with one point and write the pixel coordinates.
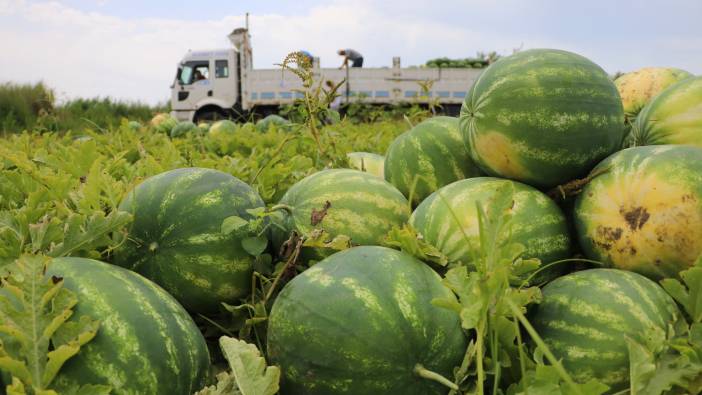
(198, 76)
(349, 54)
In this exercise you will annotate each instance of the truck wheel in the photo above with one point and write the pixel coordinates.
(210, 116)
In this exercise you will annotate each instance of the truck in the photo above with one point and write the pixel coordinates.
(222, 83)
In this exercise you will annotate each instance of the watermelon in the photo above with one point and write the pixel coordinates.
(222, 127)
(639, 87)
(204, 127)
(272, 120)
(585, 316)
(176, 240)
(359, 322)
(163, 123)
(360, 206)
(645, 212)
(672, 117)
(147, 343)
(543, 117)
(183, 128)
(366, 161)
(427, 157)
(448, 219)
(134, 126)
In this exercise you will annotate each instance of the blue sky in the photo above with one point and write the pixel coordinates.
(128, 49)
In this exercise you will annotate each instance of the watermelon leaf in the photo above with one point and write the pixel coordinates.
(88, 232)
(319, 238)
(34, 311)
(656, 374)
(233, 224)
(688, 295)
(254, 245)
(409, 241)
(544, 379)
(249, 368)
(226, 385)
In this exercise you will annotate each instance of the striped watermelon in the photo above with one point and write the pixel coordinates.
(645, 212)
(542, 116)
(183, 128)
(176, 240)
(368, 162)
(448, 219)
(163, 123)
(204, 127)
(585, 316)
(268, 122)
(134, 126)
(147, 343)
(427, 157)
(639, 87)
(361, 206)
(672, 117)
(222, 127)
(359, 322)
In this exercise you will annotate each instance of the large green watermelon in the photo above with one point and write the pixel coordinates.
(585, 316)
(183, 128)
(368, 162)
(360, 206)
(359, 322)
(448, 219)
(542, 116)
(134, 126)
(427, 157)
(147, 343)
(163, 123)
(273, 120)
(176, 240)
(644, 213)
(638, 87)
(672, 117)
(222, 128)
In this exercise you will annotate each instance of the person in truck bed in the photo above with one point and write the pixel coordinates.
(354, 56)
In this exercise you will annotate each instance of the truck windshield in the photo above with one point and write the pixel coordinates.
(193, 71)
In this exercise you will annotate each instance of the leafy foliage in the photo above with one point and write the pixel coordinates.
(59, 195)
(407, 239)
(491, 308)
(689, 295)
(249, 374)
(34, 107)
(36, 338)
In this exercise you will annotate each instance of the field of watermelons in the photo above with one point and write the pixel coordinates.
(546, 241)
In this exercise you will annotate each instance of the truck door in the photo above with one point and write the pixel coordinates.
(223, 84)
(194, 84)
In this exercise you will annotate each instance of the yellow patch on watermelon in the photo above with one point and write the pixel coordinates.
(646, 223)
(639, 87)
(500, 154)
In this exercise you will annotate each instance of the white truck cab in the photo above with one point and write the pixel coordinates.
(221, 83)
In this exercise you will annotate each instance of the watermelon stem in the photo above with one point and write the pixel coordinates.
(574, 187)
(544, 348)
(423, 372)
(281, 207)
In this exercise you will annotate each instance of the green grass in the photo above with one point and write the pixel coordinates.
(33, 107)
(22, 104)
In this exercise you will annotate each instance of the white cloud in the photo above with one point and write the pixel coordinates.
(91, 54)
